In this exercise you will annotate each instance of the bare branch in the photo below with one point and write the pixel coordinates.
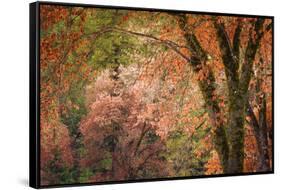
(236, 40)
(170, 44)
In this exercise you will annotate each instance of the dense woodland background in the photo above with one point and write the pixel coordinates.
(135, 94)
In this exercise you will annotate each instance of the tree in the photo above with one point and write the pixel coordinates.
(127, 143)
(135, 94)
(229, 146)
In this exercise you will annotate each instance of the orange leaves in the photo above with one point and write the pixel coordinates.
(57, 49)
(50, 15)
(203, 74)
(49, 53)
(251, 152)
(59, 69)
(213, 165)
(131, 110)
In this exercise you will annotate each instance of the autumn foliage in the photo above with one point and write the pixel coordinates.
(138, 95)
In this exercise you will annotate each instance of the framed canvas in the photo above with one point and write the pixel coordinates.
(121, 94)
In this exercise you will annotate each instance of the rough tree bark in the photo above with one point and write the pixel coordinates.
(236, 103)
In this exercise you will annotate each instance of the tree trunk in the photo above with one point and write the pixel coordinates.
(237, 86)
(230, 144)
(261, 135)
(264, 155)
(208, 90)
(235, 133)
(214, 112)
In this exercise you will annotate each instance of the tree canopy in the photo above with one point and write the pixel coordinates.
(130, 94)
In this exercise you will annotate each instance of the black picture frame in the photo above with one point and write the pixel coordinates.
(34, 93)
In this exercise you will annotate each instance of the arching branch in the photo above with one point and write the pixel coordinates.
(168, 43)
